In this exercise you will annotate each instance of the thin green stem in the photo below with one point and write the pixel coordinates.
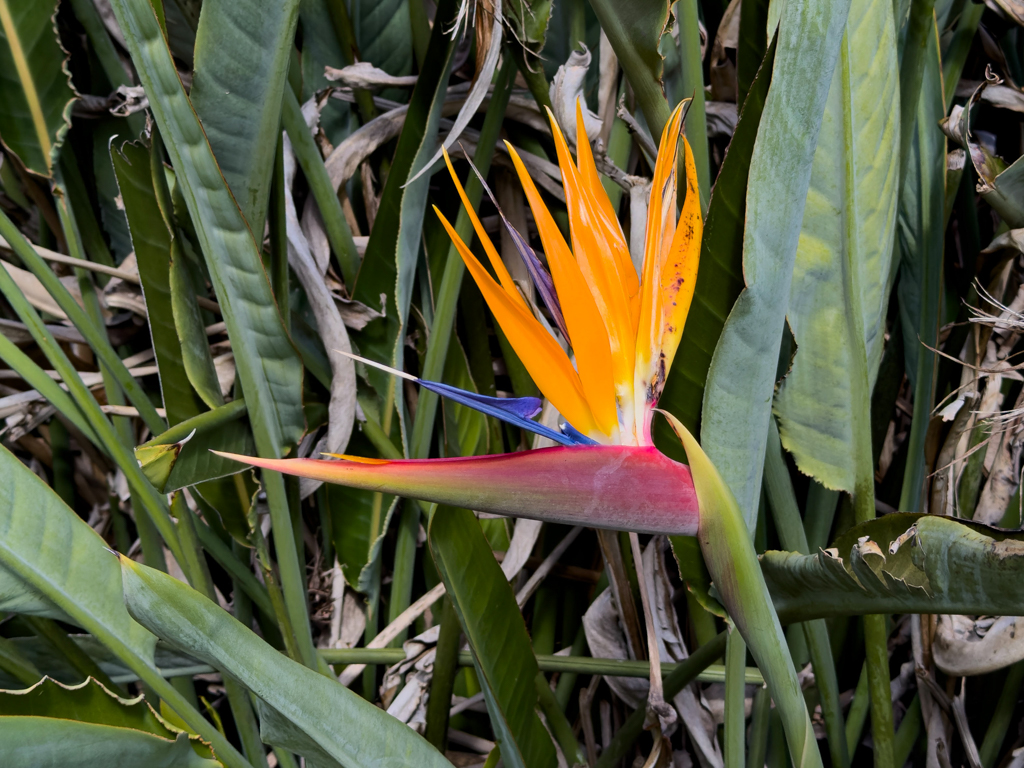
(757, 746)
(998, 724)
(735, 692)
(558, 723)
(693, 84)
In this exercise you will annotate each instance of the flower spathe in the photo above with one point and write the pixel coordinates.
(623, 329)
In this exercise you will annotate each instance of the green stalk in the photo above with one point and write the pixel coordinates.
(446, 664)
(995, 735)
(759, 720)
(312, 164)
(680, 677)
(239, 571)
(278, 226)
(558, 723)
(735, 692)
(858, 711)
(693, 84)
(909, 730)
(790, 528)
(347, 42)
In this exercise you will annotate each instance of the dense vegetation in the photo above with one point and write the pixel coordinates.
(207, 205)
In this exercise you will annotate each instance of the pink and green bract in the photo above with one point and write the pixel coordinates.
(623, 330)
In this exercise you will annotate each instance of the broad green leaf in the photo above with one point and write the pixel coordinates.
(48, 551)
(389, 265)
(383, 34)
(635, 30)
(907, 563)
(49, 554)
(720, 277)
(330, 718)
(846, 243)
(241, 65)
(151, 241)
(35, 87)
(741, 380)
(30, 742)
(729, 553)
(87, 702)
(268, 365)
(502, 651)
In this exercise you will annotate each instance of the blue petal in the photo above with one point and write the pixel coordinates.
(576, 436)
(513, 410)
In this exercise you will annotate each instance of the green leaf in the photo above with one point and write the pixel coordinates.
(29, 742)
(737, 401)
(50, 554)
(35, 87)
(241, 55)
(268, 365)
(846, 239)
(328, 717)
(720, 277)
(389, 265)
(635, 30)
(151, 241)
(940, 565)
(502, 651)
(383, 34)
(87, 702)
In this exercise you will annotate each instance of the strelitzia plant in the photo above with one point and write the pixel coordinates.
(623, 329)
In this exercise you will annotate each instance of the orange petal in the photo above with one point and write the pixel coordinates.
(679, 269)
(600, 270)
(492, 255)
(587, 332)
(544, 359)
(661, 214)
(602, 206)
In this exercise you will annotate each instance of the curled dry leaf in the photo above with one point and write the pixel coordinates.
(363, 74)
(567, 89)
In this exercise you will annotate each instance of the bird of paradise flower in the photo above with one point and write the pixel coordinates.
(624, 329)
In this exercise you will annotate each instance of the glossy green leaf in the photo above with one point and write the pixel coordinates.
(35, 87)
(502, 651)
(741, 380)
(268, 364)
(49, 555)
(940, 565)
(389, 265)
(383, 34)
(330, 718)
(151, 242)
(241, 65)
(846, 239)
(720, 277)
(30, 742)
(87, 702)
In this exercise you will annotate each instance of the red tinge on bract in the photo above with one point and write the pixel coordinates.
(620, 487)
